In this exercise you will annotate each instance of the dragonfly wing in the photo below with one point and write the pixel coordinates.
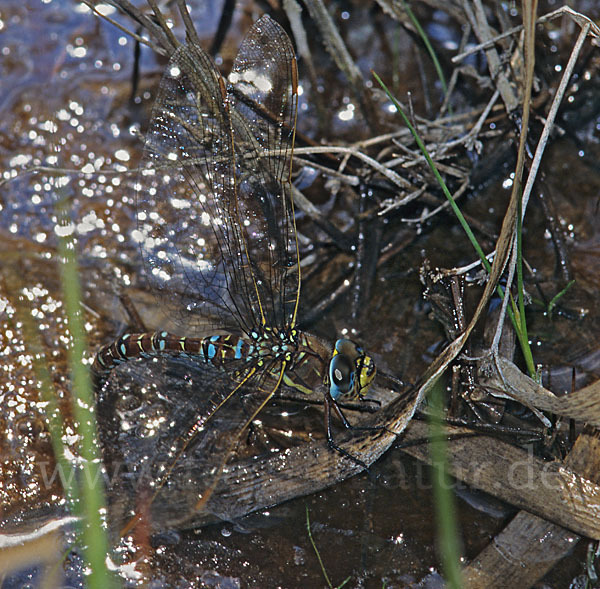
(263, 93)
(217, 233)
(189, 238)
(168, 427)
(215, 226)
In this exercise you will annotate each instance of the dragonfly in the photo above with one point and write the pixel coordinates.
(217, 230)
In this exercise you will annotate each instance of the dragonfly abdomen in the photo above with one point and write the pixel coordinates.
(214, 349)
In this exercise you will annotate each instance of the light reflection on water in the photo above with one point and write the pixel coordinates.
(81, 87)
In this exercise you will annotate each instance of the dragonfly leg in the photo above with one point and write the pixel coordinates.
(135, 321)
(348, 425)
(329, 402)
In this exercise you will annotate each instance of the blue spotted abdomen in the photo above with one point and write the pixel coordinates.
(214, 349)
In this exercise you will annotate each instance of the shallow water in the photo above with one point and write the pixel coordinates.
(60, 65)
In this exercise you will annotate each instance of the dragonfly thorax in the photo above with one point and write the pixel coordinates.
(272, 343)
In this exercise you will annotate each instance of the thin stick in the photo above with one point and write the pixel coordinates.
(389, 174)
(562, 87)
(119, 26)
(174, 42)
(579, 18)
(190, 30)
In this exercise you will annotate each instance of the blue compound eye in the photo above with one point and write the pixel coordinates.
(348, 348)
(341, 375)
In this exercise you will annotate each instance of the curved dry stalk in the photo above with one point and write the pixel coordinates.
(583, 405)
(549, 123)
(531, 179)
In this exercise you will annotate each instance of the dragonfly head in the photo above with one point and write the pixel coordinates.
(350, 371)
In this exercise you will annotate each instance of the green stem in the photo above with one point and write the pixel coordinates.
(445, 508)
(512, 312)
(522, 333)
(91, 483)
(429, 47)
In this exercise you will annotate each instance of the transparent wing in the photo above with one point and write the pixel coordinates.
(167, 433)
(263, 97)
(215, 219)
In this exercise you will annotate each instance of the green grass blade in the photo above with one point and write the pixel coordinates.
(438, 177)
(428, 46)
(312, 542)
(558, 296)
(445, 508)
(91, 492)
(512, 313)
